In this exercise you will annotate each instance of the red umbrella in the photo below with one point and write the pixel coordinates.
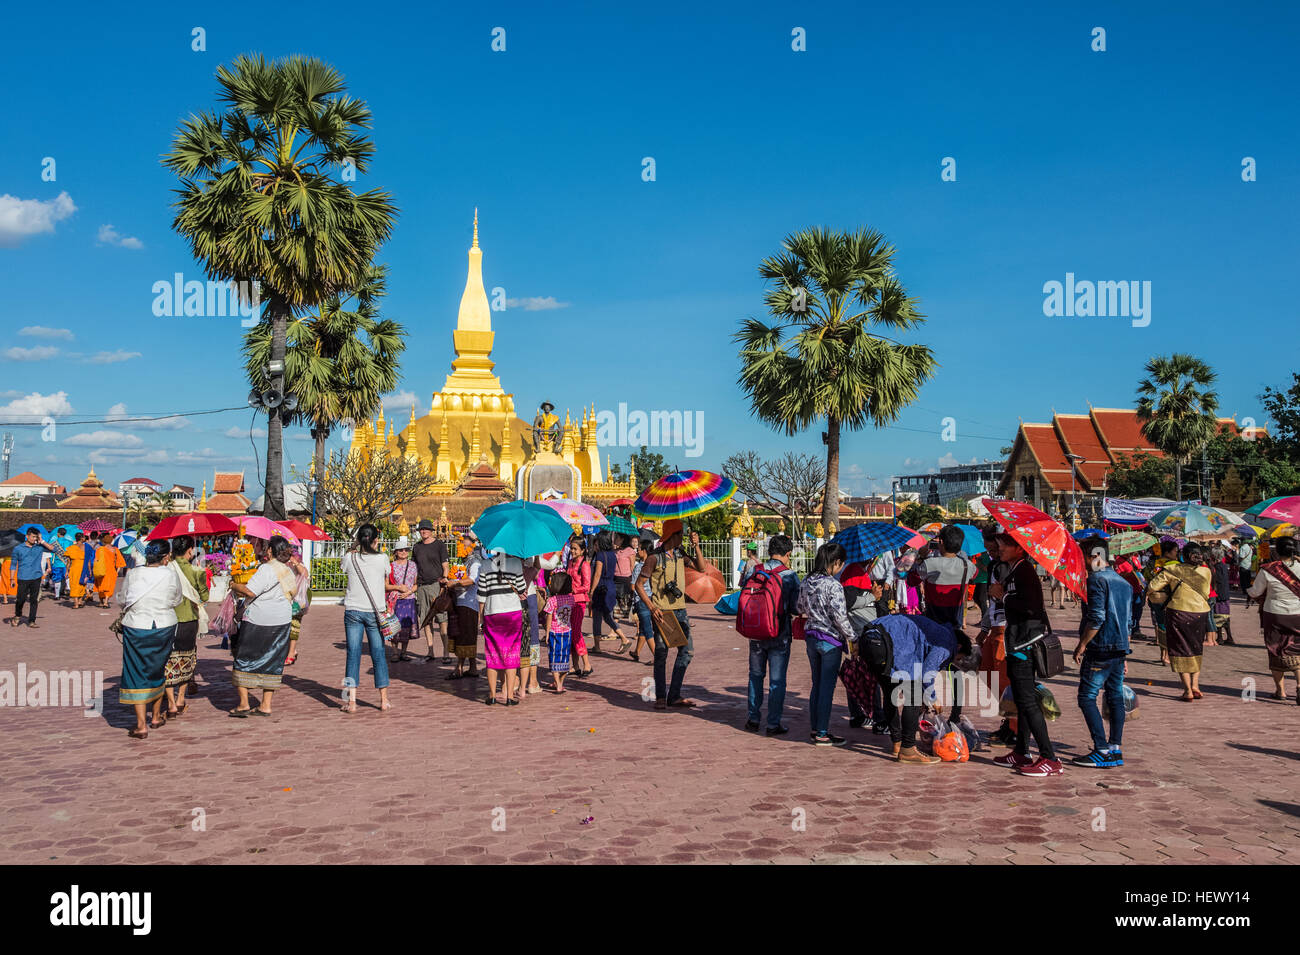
(304, 531)
(621, 502)
(1045, 540)
(195, 522)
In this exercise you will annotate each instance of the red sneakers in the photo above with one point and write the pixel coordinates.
(1012, 759)
(1042, 767)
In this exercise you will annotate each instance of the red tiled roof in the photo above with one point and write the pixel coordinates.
(1045, 445)
(142, 481)
(1080, 437)
(26, 479)
(1121, 431)
(227, 482)
(228, 503)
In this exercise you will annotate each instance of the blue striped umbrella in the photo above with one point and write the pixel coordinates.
(862, 542)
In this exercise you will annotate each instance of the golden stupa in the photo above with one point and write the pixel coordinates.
(472, 420)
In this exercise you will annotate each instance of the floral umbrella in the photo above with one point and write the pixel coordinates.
(1194, 520)
(1131, 542)
(574, 512)
(264, 528)
(1043, 539)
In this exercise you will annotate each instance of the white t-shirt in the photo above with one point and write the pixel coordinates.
(375, 569)
(272, 608)
(151, 595)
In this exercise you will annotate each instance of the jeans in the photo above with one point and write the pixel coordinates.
(1138, 604)
(28, 591)
(824, 658)
(1094, 674)
(772, 658)
(357, 623)
(903, 711)
(646, 620)
(680, 663)
(1029, 712)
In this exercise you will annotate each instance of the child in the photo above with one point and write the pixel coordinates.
(579, 569)
(645, 630)
(559, 618)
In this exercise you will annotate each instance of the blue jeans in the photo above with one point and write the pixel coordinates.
(680, 663)
(645, 619)
(825, 660)
(357, 623)
(1094, 675)
(768, 657)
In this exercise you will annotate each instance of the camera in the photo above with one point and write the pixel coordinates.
(672, 591)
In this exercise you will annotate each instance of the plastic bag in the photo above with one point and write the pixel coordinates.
(1051, 709)
(951, 747)
(933, 726)
(1007, 704)
(1131, 711)
(973, 741)
(223, 623)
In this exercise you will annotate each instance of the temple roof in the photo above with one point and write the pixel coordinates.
(91, 494)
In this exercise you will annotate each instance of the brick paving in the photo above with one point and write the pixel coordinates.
(1209, 782)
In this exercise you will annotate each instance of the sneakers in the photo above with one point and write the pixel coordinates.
(777, 730)
(830, 739)
(857, 721)
(913, 755)
(1100, 758)
(1042, 767)
(1013, 760)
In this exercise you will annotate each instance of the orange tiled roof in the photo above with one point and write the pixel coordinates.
(228, 482)
(228, 503)
(1079, 436)
(26, 479)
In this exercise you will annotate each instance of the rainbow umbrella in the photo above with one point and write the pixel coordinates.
(574, 512)
(683, 493)
(1043, 539)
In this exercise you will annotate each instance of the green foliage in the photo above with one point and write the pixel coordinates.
(650, 466)
(1283, 409)
(1141, 475)
(917, 516)
(1261, 461)
(714, 524)
(1177, 408)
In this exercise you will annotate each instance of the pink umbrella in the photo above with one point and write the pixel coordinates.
(575, 513)
(253, 526)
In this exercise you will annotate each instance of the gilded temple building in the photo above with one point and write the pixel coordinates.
(472, 422)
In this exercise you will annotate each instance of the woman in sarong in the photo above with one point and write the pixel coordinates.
(502, 591)
(185, 655)
(1277, 587)
(262, 642)
(1186, 613)
(149, 602)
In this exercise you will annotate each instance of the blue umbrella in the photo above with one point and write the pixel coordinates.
(45, 534)
(863, 542)
(70, 531)
(972, 539)
(1087, 532)
(522, 528)
(125, 539)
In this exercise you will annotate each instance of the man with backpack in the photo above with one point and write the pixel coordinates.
(767, 602)
(907, 652)
(1101, 654)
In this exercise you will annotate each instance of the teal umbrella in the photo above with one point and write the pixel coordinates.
(522, 528)
(621, 525)
(70, 530)
(40, 528)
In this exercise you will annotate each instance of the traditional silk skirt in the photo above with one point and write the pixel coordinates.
(144, 660)
(501, 640)
(1282, 640)
(184, 656)
(466, 633)
(559, 646)
(259, 656)
(1185, 637)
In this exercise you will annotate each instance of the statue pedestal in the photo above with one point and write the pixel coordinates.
(548, 471)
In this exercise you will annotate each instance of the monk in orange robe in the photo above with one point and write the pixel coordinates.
(109, 562)
(76, 558)
(8, 581)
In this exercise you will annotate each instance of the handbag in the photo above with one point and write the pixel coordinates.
(1159, 598)
(389, 625)
(1048, 656)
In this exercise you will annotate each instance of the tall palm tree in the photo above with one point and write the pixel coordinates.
(1177, 408)
(264, 198)
(339, 362)
(820, 358)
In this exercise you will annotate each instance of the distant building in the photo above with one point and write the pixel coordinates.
(959, 482)
(182, 496)
(21, 485)
(1075, 453)
(227, 494)
(137, 488)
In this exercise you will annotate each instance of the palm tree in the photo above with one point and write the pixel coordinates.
(264, 199)
(339, 363)
(820, 358)
(1177, 408)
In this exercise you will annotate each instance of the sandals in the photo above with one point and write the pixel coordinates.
(349, 707)
(255, 711)
(180, 710)
(138, 734)
(623, 647)
(157, 724)
(240, 714)
(289, 661)
(1197, 694)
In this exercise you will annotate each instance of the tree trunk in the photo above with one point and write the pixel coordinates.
(831, 496)
(274, 483)
(318, 458)
(1178, 481)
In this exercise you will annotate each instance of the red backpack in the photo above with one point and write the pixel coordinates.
(759, 613)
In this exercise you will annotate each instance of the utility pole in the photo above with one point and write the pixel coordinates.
(7, 452)
(1205, 476)
(1074, 507)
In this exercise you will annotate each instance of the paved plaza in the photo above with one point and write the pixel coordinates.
(598, 776)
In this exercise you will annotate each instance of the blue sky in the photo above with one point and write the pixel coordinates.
(1123, 165)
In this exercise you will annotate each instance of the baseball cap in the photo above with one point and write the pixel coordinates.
(424, 525)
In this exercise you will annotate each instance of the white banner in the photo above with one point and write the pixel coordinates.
(1119, 510)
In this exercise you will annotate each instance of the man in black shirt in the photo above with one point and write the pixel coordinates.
(431, 565)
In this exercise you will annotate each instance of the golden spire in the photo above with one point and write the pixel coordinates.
(471, 370)
(203, 501)
(410, 452)
(475, 245)
(475, 443)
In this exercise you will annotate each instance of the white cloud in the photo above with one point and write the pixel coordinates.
(948, 461)
(536, 303)
(913, 462)
(39, 353)
(399, 399)
(11, 393)
(117, 417)
(300, 436)
(43, 331)
(112, 357)
(22, 218)
(111, 440)
(238, 432)
(115, 455)
(32, 408)
(110, 236)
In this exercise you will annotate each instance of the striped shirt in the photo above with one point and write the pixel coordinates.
(501, 585)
